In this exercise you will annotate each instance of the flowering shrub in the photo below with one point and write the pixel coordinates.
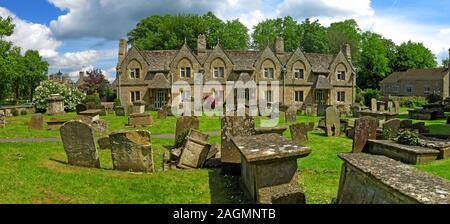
(72, 96)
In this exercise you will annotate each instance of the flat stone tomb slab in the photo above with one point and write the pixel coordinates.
(271, 130)
(55, 125)
(404, 153)
(442, 146)
(269, 168)
(369, 179)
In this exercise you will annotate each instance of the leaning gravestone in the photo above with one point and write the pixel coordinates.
(37, 122)
(374, 105)
(233, 126)
(291, 114)
(332, 122)
(132, 151)
(195, 151)
(299, 133)
(365, 129)
(79, 144)
(187, 122)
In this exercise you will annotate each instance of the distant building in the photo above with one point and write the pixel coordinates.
(61, 78)
(417, 82)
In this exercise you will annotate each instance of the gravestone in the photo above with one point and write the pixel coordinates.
(406, 124)
(138, 107)
(390, 107)
(132, 151)
(396, 106)
(162, 114)
(55, 124)
(187, 122)
(291, 114)
(232, 126)
(382, 107)
(119, 111)
(55, 104)
(37, 122)
(299, 133)
(136, 120)
(195, 151)
(80, 108)
(332, 122)
(355, 110)
(79, 144)
(2, 122)
(393, 125)
(365, 129)
(104, 143)
(420, 126)
(374, 105)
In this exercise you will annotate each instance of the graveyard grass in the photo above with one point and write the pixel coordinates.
(38, 173)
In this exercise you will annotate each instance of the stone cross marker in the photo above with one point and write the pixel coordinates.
(186, 122)
(374, 105)
(132, 151)
(37, 122)
(365, 129)
(332, 122)
(299, 133)
(79, 144)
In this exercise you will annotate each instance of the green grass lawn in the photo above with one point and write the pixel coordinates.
(38, 173)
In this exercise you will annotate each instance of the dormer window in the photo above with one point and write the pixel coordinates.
(135, 73)
(299, 74)
(341, 75)
(185, 72)
(219, 72)
(268, 73)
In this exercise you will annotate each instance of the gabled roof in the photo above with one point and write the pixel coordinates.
(159, 82)
(417, 75)
(158, 60)
(322, 83)
(243, 60)
(320, 63)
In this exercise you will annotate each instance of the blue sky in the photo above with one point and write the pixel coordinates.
(83, 34)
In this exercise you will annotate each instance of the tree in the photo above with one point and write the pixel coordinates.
(445, 63)
(412, 55)
(72, 96)
(95, 82)
(314, 37)
(170, 32)
(373, 65)
(266, 32)
(35, 72)
(6, 27)
(345, 32)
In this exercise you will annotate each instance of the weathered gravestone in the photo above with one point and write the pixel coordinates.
(138, 107)
(162, 114)
(393, 125)
(396, 106)
(79, 144)
(420, 126)
(104, 143)
(406, 124)
(291, 114)
(299, 133)
(390, 107)
(332, 122)
(136, 120)
(80, 108)
(37, 122)
(119, 111)
(374, 105)
(132, 151)
(232, 126)
(365, 129)
(355, 110)
(195, 151)
(186, 122)
(55, 104)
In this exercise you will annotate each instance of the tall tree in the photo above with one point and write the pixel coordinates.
(314, 37)
(95, 82)
(374, 62)
(35, 72)
(266, 32)
(6, 27)
(445, 62)
(345, 32)
(170, 32)
(412, 55)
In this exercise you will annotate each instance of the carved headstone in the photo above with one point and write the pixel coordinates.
(299, 133)
(132, 151)
(37, 122)
(186, 123)
(374, 105)
(332, 122)
(195, 151)
(365, 129)
(79, 144)
(80, 108)
(136, 120)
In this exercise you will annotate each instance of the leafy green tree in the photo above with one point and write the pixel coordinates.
(266, 32)
(6, 27)
(314, 37)
(345, 32)
(170, 32)
(35, 72)
(445, 62)
(412, 55)
(374, 62)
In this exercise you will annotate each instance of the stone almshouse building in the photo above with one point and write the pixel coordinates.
(306, 79)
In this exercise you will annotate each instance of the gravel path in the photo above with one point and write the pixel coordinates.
(160, 136)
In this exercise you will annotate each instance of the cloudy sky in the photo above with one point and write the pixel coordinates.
(83, 34)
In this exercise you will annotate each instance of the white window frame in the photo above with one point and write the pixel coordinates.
(185, 71)
(134, 96)
(266, 73)
(219, 72)
(135, 73)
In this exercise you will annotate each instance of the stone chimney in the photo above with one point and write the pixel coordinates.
(122, 49)
(201, 44)
(81, 78)
(279, 45)
(348, 52)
